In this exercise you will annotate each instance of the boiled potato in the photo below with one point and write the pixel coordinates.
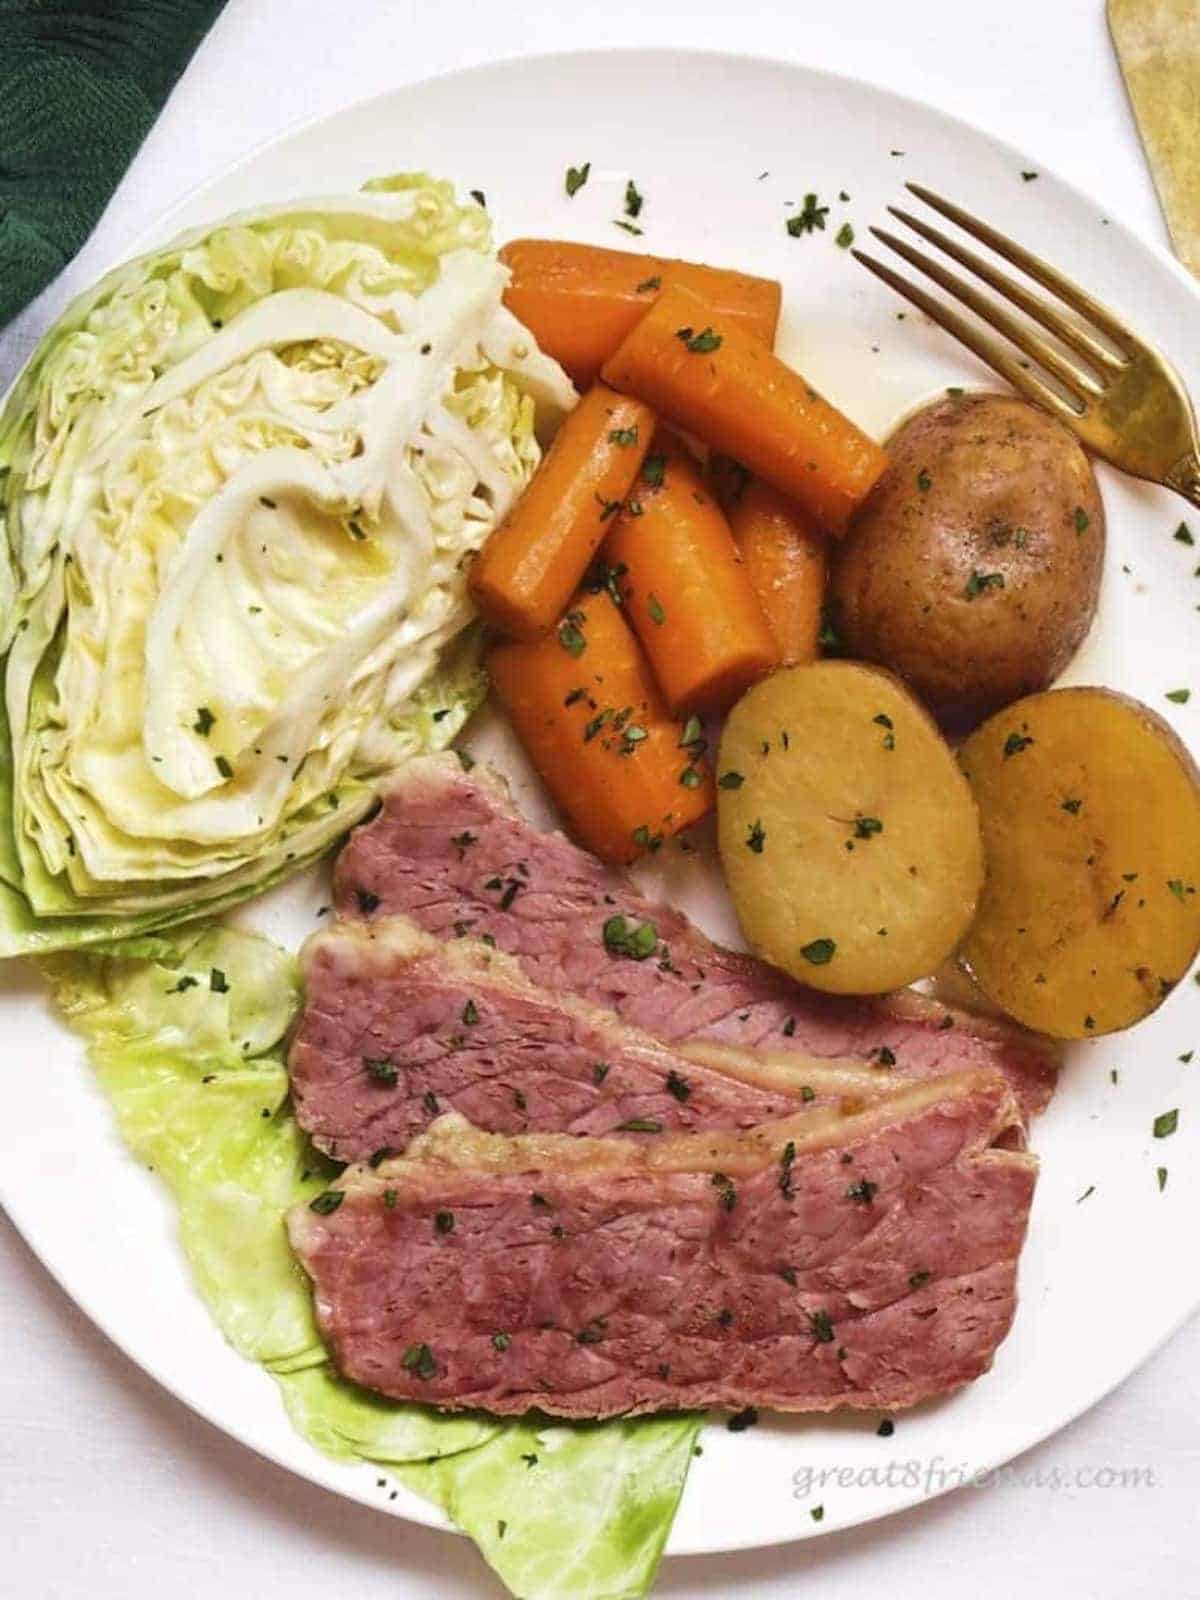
(973, 569)
(1090, 808)
(848, 835)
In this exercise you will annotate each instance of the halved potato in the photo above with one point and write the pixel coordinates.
(1091, 825)
(848, 835)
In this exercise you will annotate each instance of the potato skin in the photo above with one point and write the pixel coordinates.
(978, 485)
(849, 838)
(1090, 806)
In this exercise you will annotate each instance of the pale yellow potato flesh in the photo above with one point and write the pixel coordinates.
(851, 845)
(1090, 807)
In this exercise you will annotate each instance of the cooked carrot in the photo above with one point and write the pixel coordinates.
(787, 562)
(585, 708)
(533, 562)
(579, 300)
(686, 590)
(701, 370)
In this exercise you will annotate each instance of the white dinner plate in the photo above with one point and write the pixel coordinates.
(724, 149)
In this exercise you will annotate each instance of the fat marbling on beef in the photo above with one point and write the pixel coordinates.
(399, 1027)
(449, 850)
(827, 1260)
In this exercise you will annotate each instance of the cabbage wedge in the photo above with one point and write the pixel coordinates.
(239, 486)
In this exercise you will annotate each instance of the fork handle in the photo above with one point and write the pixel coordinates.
(1184, 476)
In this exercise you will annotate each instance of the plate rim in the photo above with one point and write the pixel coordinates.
(159, 231)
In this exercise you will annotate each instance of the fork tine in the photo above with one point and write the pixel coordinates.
(1034, 267)
(990, 351)
(1034, 346)
(1033, 305)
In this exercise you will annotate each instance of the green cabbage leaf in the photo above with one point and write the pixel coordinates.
(187, 1041)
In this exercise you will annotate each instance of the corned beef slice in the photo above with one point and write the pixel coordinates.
(449, 850)
(866, 1260)
(399, 1027)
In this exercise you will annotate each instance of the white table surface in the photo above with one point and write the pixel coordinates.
(111, 1488)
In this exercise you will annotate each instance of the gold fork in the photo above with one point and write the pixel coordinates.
(1121, 396)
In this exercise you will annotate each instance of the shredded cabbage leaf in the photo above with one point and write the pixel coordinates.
(186, 1037)
(239, 487)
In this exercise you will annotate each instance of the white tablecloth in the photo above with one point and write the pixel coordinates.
(108, 1486)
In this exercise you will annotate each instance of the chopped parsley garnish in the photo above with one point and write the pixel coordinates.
(367, 902)
(924, 481)
(622, 937)
(863, 1192)
(653, 468)
(648, 285)
(918, 1280)
(634, 200)
(678, 1086)
(600, 1072)
(501, 1341)
(1082, 521)
(756, 836)
(1073, 806)
(1183, 534)
(730, 780)
(389, 1199)
(640, 1125)
(463, 842)
(590, 1333)
(741, 1420)
(223, 767)
(979, 582)
(644, 839)
(608, 508)
(479, 197)
(1015, 743)
(186, 982)
(217, 981)
(470, 1013)
(430, 1101)
(204, 721)
(570, 633)
(822, 1327)
(808, 219)
(382, 1069)
(864, 827)
(728, 1192)
(817, 1513)
(419, 1358)
(845, 236)
(1162, 1179)
(1179, 696)
(819, 952)
(1176, 886)
(623, 436)
(690, 778)
(885, 1056)
(576, 178)
(807, 1093)
(657, 615)
(1165, 1124)
(627, 227)
(786, 1160)
(443, 1222)
(699, 344)
(693, 733)
(325, 1204)
(379, 1156)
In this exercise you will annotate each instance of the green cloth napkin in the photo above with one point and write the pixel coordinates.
(80, 87)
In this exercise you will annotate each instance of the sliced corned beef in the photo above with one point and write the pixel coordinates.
(449, 850)
(399, 1027)
(821, 1261)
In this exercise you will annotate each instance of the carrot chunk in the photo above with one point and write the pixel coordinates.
(533, 562)
(686, 590)
(787, 562)
(580, 300)
(585, 707)
(704, 372)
